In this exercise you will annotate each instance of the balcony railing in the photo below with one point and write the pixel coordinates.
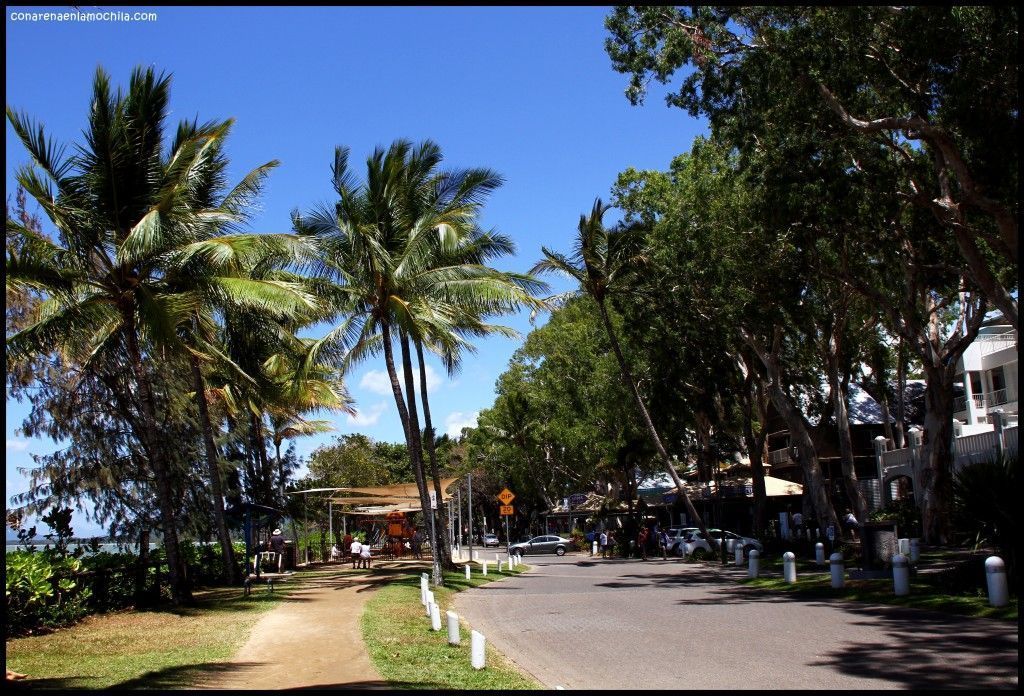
(989, 400)
(995, 342)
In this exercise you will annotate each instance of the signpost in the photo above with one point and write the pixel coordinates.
(506, 497)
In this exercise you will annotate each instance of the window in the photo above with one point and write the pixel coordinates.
(997, 378)
(976, 387)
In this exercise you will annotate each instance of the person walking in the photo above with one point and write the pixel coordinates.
(355, 549)
(663, 543)
(641, 542)
(603, 541)
(364, 556)
(417, 544)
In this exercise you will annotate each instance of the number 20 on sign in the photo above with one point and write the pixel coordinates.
(506, 510)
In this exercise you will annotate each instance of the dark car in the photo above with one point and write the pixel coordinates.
(549, 543)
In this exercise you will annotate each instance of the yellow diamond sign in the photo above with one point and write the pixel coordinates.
(506, 496)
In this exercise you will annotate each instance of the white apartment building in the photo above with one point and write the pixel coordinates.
(987, 373)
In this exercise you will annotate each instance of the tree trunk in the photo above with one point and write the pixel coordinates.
(631, 385)
(416, 449)
(446, 560)
(753, 397)
(213, 469)
(141, 568)
(900, 429)
(180, 593)
(838, 387)
(264, 473)
(937, 454)
(814, 483)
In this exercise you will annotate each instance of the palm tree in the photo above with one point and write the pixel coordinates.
(602, 262)
(142, 251)
(383, 241)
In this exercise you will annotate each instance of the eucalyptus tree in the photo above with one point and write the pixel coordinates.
(936, 87)
(601, 263)
(143, 252)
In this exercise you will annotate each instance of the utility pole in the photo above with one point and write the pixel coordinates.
(470, 512)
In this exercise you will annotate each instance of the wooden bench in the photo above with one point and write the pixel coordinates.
(266, 559)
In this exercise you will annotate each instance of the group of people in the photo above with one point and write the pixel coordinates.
(358, 552)
(849, 522)
(646, 539)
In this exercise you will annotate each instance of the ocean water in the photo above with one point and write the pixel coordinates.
(109, 548)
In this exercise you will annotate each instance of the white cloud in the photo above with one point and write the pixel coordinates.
(17, 444)
(367, 417)
(378, 382)
(457, 420)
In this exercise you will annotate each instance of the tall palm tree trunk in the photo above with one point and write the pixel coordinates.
(180, 593)
(227, 551)
(403, 412)
(416, 447)
(445, 556)
(627, 376)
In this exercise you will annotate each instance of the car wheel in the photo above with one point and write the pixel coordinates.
(560, 551)
(518, 552)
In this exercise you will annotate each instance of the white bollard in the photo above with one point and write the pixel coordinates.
(428, 608)
(423, 589)
(900, 575)
(754, 563)
(819, 553)
(789, 566)
(467, 571)
(496, 558)
(995, 578)
(915, 550)
(485, 568)
(454, 636)
(738, 555)
(903, 546)
(500, 563)
(435, 617)
(593, 549)
(476, 556)
(430, 597)
(476, 645)
(835, 562)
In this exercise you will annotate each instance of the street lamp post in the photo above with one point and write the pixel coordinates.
(469, 511)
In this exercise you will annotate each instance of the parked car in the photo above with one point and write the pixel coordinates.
(489, 540)
(676, 537)
(691, 543)
(548, 543)
(732, 539)
(694, 543)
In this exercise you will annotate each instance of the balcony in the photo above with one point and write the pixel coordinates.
(981, 401)
(991, 343)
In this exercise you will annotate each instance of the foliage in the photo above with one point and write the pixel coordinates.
(985, 503)
(905, 513)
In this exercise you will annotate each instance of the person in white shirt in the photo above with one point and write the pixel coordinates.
(364, 556)
(355, 549)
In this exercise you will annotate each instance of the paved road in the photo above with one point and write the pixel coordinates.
(582, 623)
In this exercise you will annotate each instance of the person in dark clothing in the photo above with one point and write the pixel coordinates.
(276, 543)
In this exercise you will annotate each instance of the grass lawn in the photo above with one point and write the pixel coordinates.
(145, 649)
(927, 591)
(409, 655)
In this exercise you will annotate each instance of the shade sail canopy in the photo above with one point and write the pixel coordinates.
(380, 500)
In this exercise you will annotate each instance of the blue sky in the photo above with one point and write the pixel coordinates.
(527, 91)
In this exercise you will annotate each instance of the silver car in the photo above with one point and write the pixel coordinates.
(732, 540)
(549, 543)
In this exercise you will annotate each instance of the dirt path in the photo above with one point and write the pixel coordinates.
(313, 639)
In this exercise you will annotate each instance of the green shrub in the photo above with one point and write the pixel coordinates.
(985, 508)
(43, 592)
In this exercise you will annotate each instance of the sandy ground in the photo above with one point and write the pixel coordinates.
(312, 640)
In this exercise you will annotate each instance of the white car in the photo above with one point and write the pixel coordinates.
(748, 544)
(691, 543)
